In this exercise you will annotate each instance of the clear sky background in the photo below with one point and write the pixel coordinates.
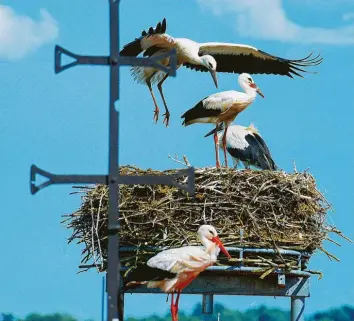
(60, 123)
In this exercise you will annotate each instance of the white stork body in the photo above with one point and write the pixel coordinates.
(186, 263)
(223, 107)
(245, 144)
(212, 56)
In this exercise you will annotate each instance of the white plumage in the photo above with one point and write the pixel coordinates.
(223, 107)
(245, 144)
(186, 262)
(212, 56)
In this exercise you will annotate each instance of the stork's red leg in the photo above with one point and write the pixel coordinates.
(216, 142)
(224, 146)
(157, 110)
(167, 113)
(177, 301)
(173, 308)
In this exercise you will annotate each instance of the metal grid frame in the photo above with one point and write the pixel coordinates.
(243, 280)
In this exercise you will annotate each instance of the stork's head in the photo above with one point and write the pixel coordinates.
(210, 63)
(209, 237)
(246, 82)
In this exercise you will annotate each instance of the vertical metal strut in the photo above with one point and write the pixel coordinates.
(113, 275)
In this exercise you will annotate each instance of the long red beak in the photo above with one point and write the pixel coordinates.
(218, 242)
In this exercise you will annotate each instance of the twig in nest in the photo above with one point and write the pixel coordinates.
(178, 161)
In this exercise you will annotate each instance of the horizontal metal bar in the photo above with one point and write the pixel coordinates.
(162, 180)
(228, 284)
(230, 249)
(227, 269)
(62, 179)
(119, 60)
(234, 269)
(76, 59)
(119, 179)
(153, 62)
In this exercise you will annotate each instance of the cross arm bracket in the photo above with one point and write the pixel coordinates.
(76, 60)
(170, 180)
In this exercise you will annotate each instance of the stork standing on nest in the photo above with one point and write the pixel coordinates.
(207, 57)
(245, 144)
(223, 107)
(186, 263)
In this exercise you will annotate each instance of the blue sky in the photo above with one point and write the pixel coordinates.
(60, 123)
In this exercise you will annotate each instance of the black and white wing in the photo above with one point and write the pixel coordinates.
(210, 107)
(134, 48)
(237, 58)
(249, 148)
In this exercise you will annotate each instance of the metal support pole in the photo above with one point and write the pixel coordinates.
(208, 306)
(113, 274)
(297, 308)
(121, 305)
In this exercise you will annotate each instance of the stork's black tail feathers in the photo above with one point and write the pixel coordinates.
(133, 49)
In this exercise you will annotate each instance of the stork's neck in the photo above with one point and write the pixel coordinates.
(210, 247)
(251, 92)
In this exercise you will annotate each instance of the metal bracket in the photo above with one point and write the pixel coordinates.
(120, 179)
(121, 60)
(62, 179)
(281, 280)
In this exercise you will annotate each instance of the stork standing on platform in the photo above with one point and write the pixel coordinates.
(245, 144)
(223, 107)
(212, 57)
(186, 263)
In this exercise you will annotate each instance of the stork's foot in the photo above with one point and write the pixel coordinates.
(218, 164)
(166, 120)
(156, 114)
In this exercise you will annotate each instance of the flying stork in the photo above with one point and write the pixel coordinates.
(212, 56)
(185, 263)
(245, 144)
(223, 107)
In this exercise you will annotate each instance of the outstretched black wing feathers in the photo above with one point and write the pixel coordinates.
(133, 49)
(195, 67)
(234, 58)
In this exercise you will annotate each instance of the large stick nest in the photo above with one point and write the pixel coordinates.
(273, 209)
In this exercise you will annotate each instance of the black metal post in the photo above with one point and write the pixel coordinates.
(113, 275)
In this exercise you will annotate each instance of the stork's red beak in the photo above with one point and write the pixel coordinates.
(260, 93)
(218, 242)
(215, 77)
(253, 85)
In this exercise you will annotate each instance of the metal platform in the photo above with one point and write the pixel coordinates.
(245, 280)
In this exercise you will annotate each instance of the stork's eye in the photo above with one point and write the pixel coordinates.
(250, 79)
(211, 232)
